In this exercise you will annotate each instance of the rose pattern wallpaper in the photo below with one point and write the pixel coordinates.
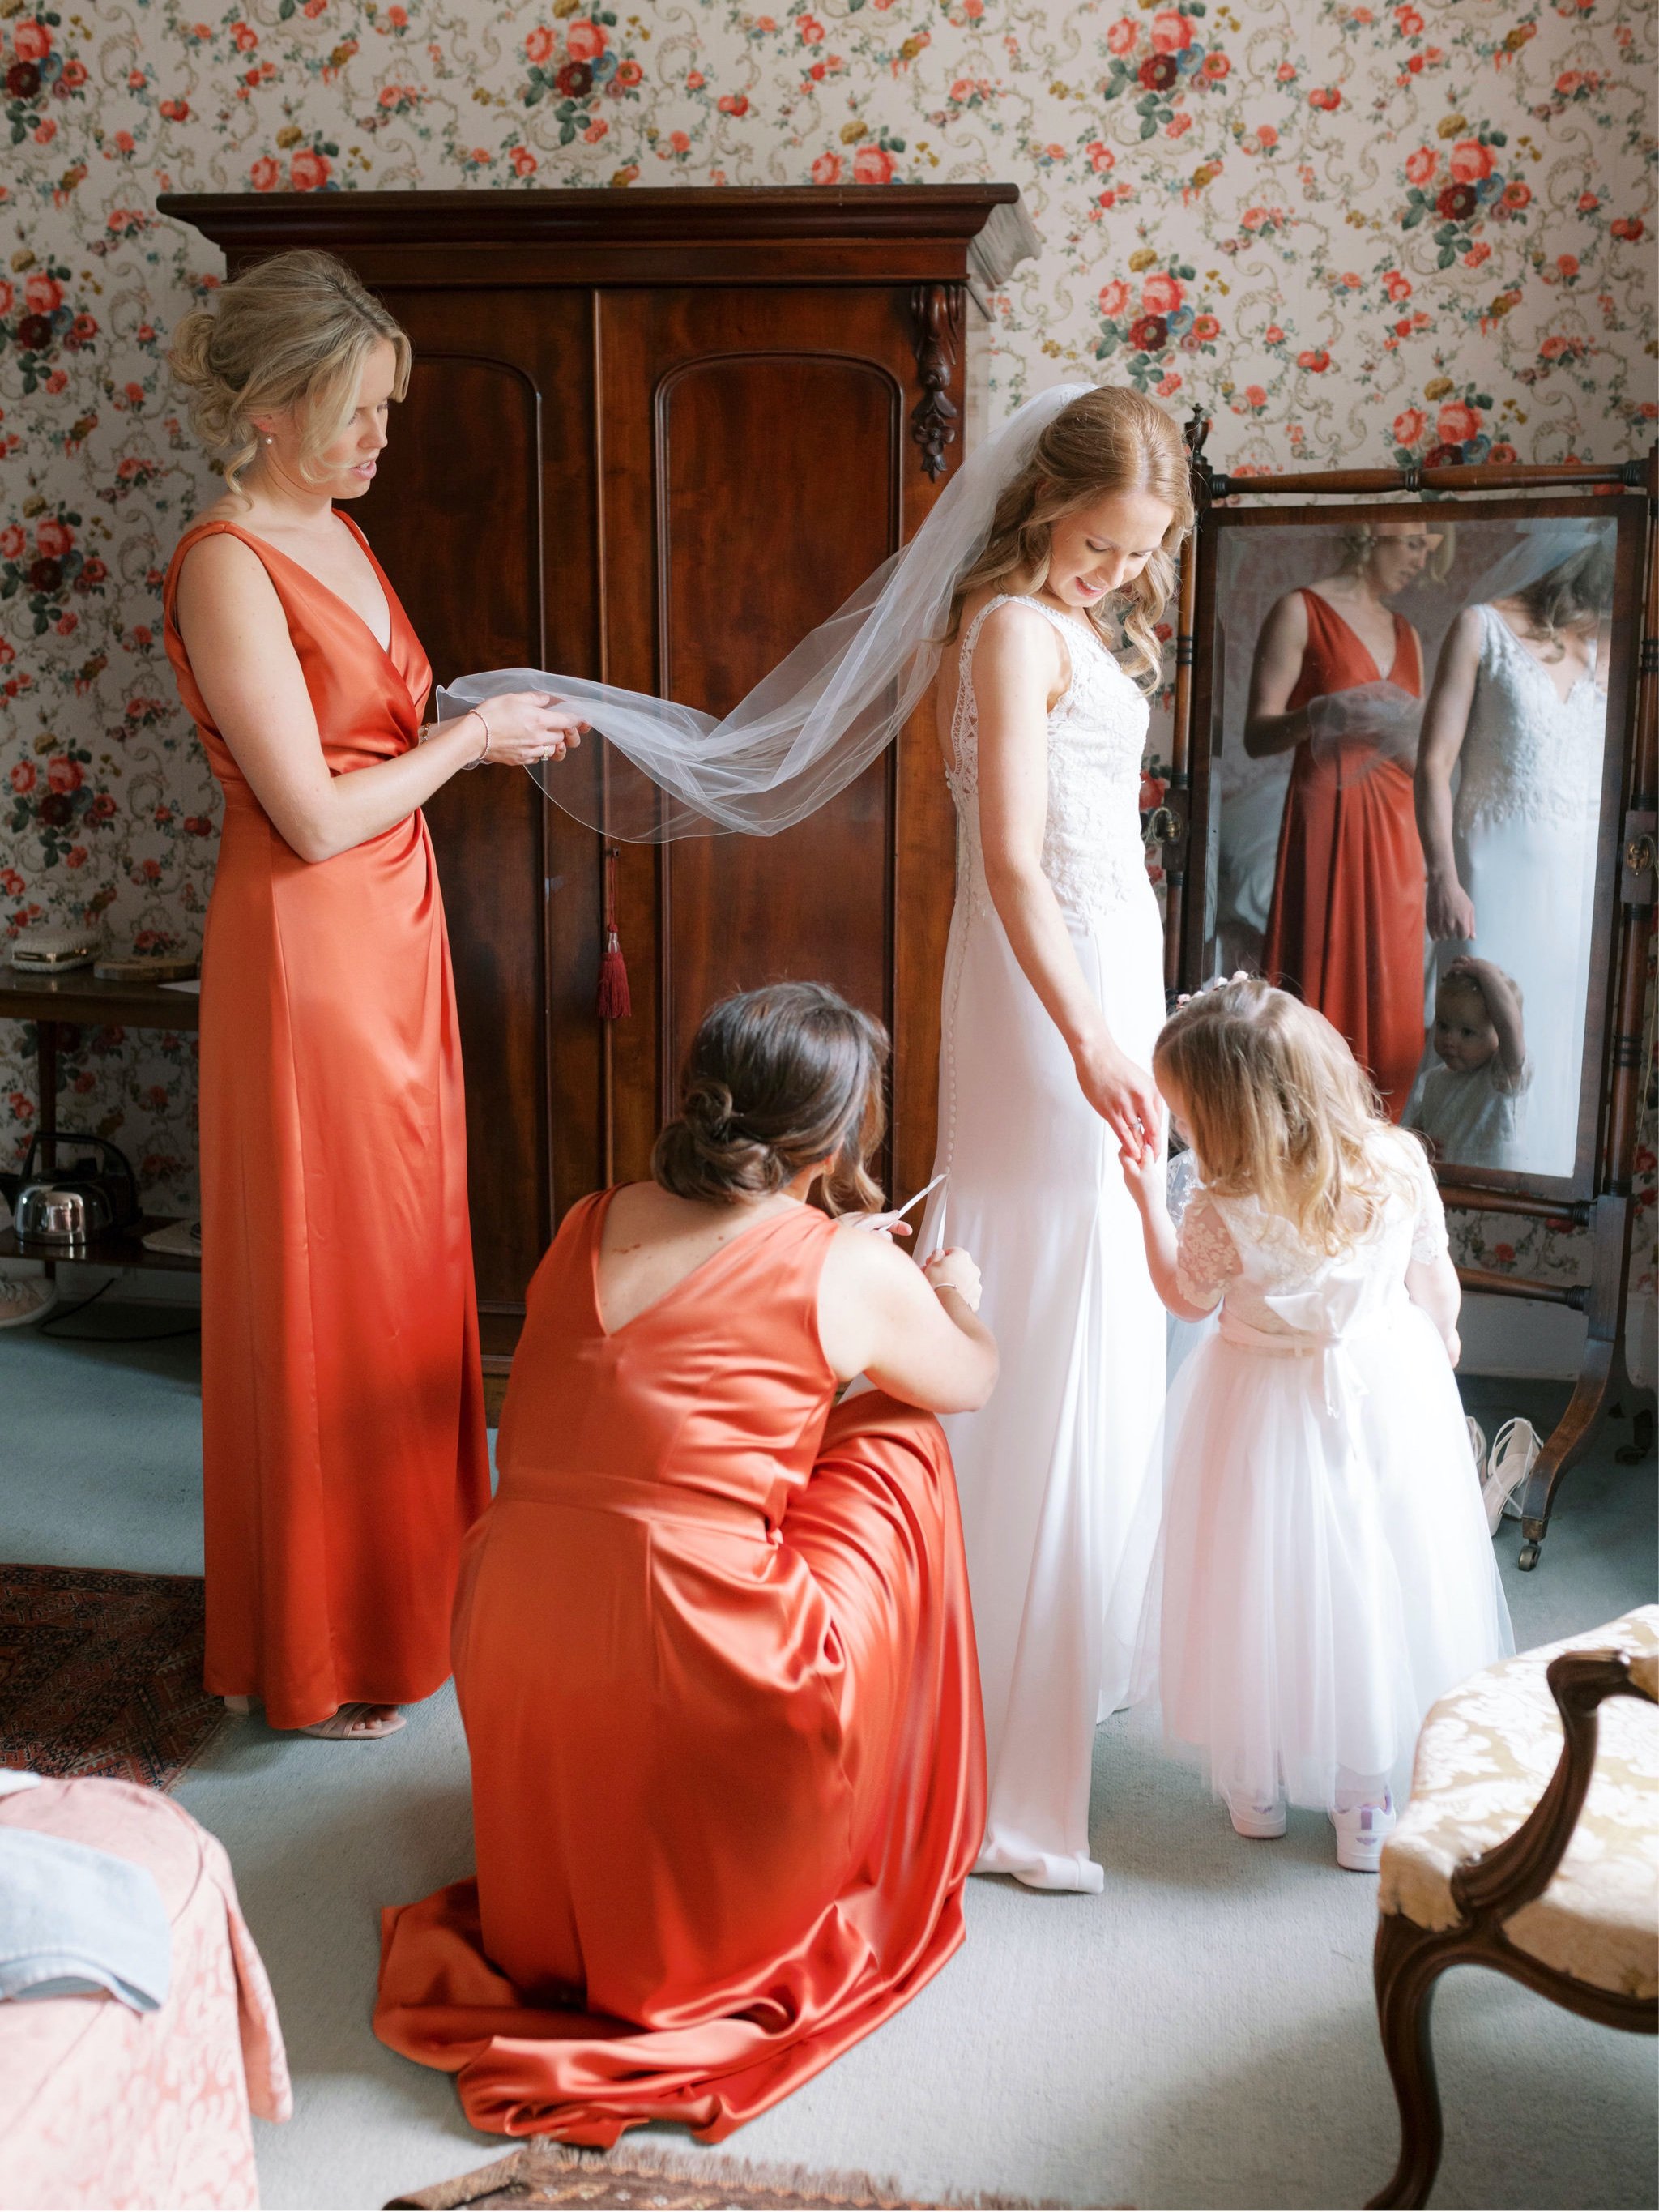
(1359, 235)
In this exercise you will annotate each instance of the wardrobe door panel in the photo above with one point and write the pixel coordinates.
(472, 514)
(763, 530)
(759, 467)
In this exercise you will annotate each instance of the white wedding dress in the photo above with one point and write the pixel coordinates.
(1050, 1471)
(1524, 827)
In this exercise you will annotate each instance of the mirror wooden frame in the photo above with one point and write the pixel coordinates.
(1596, 1197)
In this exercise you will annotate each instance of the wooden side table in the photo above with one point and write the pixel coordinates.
(79, 1000)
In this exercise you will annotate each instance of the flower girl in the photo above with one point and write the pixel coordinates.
(1324, 1569)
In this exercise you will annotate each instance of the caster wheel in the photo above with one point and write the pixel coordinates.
(1528, 1558)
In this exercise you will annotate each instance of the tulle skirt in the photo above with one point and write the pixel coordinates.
(1323, 1571)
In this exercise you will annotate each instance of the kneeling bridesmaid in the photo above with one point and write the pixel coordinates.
(712, 1642)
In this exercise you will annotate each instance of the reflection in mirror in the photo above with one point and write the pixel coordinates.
(1411, 723)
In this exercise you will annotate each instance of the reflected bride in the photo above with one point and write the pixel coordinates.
(1519, 708)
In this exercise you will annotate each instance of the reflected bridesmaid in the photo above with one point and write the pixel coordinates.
(343, 1447)
(1338, 680)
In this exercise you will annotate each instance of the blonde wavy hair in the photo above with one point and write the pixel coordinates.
(1279, 1109)
(1110, 439)
(1576, 592)
(291, 334)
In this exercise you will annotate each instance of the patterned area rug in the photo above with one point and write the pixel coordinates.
(542, 2172)
(100, 1673)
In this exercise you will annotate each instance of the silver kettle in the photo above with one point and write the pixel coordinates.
(65, 1214)
(72, 1189)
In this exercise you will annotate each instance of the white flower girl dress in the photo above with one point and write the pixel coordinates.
(1323, 1572)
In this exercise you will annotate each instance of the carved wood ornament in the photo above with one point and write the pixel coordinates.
(936, 310)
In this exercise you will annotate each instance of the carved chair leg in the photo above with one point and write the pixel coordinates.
(1598, 1379)
(1410, 1960)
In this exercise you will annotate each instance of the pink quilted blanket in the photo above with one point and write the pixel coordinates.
(103, 2106)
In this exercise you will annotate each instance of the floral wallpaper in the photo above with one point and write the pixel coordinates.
(1359, 234)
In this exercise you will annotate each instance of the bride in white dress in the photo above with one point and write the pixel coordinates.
(1054, 996)
(1048, 543)
(1519, 707)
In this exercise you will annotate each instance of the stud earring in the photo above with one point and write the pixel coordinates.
(270, 440)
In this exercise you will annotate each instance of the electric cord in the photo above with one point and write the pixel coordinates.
(48, 1324)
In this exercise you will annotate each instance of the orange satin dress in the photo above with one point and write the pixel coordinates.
(1347, 925)
(716, 1659)
(343, 1453)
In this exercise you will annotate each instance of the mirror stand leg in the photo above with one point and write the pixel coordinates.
(1602, 1376)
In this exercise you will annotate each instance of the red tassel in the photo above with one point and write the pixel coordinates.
(615, 1003)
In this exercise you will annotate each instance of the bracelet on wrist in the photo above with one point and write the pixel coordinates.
(485, 726)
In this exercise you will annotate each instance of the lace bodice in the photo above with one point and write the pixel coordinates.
(1528, 751)
(1275, 1283)
(1091, 848)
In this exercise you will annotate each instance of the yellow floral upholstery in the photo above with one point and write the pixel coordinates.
(1483, 1759)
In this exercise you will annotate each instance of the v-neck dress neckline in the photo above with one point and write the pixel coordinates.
(1337, 615)
(707, 1264)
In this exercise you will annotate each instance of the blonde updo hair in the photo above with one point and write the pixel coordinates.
(291, 334)
(777, 1080)
(1110, 439)
(1279, 1110)
(1359, 542)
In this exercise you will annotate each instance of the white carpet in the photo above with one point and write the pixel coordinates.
(1201, 2034)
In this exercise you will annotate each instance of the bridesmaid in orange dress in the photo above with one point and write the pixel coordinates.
(1338, 678)
(712, 1644)
(343, 1448)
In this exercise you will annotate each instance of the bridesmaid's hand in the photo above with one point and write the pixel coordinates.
(525, 727)
(1450, 909)
(1124, 1095)
(883, 1224)
(1384, 716)
(954, 1269)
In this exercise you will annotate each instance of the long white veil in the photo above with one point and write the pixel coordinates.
(812, 725)
(1542, 544)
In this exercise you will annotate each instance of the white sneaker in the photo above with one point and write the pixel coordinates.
(1514, 1450)
(1260, 1822)
(1361, 1832)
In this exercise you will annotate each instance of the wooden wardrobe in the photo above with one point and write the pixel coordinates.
(655, 437)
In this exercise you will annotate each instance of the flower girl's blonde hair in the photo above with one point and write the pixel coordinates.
(1279, 1110)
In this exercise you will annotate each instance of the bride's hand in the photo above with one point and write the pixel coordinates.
(1124, 1095)
(1450, 911)
(525, 727)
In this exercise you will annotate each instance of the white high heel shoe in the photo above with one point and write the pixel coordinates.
(1515, 1450)
(1477, 1446)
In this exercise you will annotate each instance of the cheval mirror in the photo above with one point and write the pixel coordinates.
(1451, 852)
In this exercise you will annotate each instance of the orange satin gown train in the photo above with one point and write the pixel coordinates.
(715, 1660)
(1347, 925)
(342, 1432)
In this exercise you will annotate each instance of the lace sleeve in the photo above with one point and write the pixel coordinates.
(1429, 1238)
(1207, 1259)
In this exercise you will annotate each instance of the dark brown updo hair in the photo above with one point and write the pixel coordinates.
(777, 1080)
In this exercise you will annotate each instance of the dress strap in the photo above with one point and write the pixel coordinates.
(212, 527)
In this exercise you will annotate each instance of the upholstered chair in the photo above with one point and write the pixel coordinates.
(1530, 1845)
